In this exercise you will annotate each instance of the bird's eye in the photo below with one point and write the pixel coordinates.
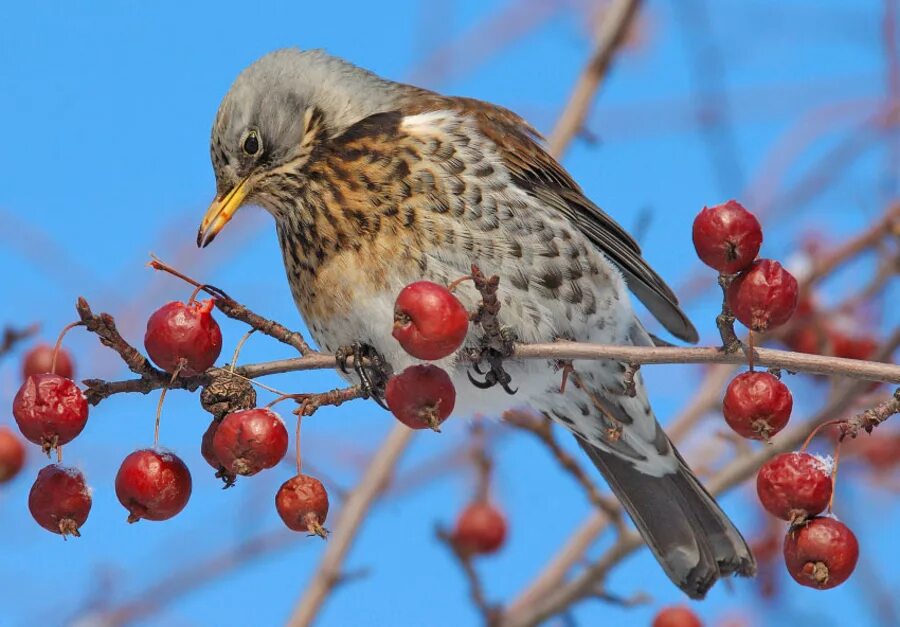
(251, 143)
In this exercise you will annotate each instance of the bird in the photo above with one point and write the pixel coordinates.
(374, 184)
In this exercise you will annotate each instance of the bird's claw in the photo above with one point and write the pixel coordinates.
(370, 366)
(495, 374)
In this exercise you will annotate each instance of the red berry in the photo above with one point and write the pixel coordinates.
(764, 296)
(60, 500)
(12, 454)
(50, 410)
(794, 486)
(676, 616)
(302, 503)
(821, 553)
(757, 405)
(429, 321)
(480, 529)
(209, 454)
(152, 484)
(727, 237)
(421, 397)
(186, 331)
(39, 359)
(860, 347)
(250, 440)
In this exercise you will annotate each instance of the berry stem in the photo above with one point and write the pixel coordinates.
(237, 349)
(810, 437)
(62, 334)
(162, 397)
(750, 351)
(59, 453)
(834, 471)
(297, 443)
(194, 294)
(454, 284)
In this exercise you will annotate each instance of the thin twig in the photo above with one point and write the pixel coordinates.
(12, 337)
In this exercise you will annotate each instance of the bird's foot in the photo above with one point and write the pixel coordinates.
(370, 366)
(492, 353)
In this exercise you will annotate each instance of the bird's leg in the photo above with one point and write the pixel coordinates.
(370, 366)
(493, 351)
(496, 342)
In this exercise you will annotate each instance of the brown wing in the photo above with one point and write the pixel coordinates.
(538, 173)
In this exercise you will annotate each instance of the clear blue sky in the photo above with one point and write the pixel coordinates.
(104, 158)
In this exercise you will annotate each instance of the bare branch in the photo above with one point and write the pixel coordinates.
(612, 31)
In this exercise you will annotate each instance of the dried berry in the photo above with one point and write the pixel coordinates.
(727, 237)
(821, 553)
(764, 296)
(153, 485)
(50, 410)
(794, 486)
(302, 503)
(757, 405)
(186, 331)
(251, 440)
(421, 397)
(429, 321)
(480, 529)
(60, 500)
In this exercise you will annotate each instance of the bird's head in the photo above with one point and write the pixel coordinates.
(273, 116)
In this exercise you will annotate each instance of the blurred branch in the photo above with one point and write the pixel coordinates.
(611, 33)
(13, 336)
(374, 481)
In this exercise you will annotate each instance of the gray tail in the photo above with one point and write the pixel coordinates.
(690, 535)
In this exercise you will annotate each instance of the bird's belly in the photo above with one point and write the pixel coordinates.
(358, 305)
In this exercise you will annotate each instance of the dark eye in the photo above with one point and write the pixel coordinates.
(251, 143)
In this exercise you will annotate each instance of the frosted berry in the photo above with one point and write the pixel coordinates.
(676, 616)
(250, 440)
(302, 503)
(186, 331)
(429, 321)
(794, 486)
(50, 410)
(153, 485)
(727, 237)
(757, 405)
(39, 359)
(60, 500)
(821, 553)
(764, 296)
(480, 529)
(12, 454)
(421, 397)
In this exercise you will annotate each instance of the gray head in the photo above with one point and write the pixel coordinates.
(272, 115)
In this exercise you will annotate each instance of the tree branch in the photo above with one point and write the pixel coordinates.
(612, 31)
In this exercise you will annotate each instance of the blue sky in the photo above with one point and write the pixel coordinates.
(104, 158)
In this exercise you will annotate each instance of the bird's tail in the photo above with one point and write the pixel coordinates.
(690, 535)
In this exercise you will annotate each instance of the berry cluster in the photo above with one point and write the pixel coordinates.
(819, 551)
(429, 323)
(762, 295)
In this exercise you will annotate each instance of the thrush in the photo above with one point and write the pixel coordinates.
(374, 184)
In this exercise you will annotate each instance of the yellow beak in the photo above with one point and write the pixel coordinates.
(220, 212)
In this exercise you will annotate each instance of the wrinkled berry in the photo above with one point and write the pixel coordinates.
(757, 405)
(50, 410)
(727, 237)
(60, 500)
(794, 486)
(251, 440)
(186, 331)
(764, 296)
(302, 503)
(153, 485)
